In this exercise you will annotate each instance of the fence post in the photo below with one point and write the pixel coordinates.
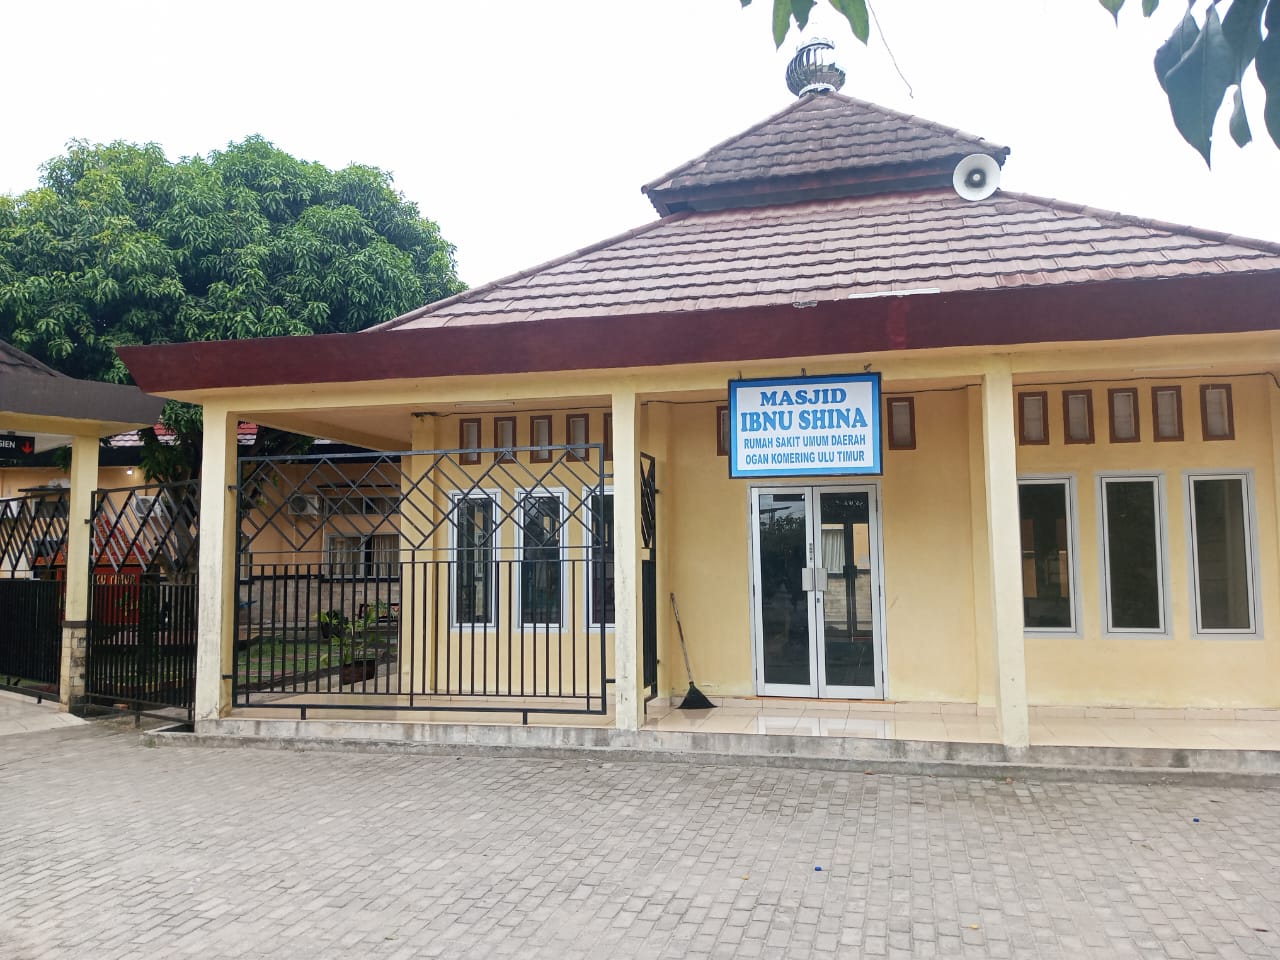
(629, 704)
(218, 562)
(75, 618)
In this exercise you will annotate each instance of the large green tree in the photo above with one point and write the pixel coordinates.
(1202, 63)
(119, 245)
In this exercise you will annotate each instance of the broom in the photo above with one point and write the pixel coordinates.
(694, 699)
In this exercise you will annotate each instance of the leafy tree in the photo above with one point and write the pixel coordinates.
(1204, 59)
(121, 246)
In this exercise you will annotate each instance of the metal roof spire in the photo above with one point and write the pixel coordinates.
(813, 69)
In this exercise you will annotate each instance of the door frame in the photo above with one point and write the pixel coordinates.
(876, 546)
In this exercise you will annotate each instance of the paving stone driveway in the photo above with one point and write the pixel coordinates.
(109, 849)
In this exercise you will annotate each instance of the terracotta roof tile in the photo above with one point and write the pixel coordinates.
(821, 134)
(15, 361)
(828, 250)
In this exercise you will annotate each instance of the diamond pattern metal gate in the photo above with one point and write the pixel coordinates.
(33, 537)
(476, 580)
(141, 640)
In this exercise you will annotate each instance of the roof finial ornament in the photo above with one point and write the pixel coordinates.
(813, 69)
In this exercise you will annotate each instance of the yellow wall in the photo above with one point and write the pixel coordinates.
(926, 538)
(936, 574)
(15, 479)
(1179, 670)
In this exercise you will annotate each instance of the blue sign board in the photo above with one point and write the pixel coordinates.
(805, 426)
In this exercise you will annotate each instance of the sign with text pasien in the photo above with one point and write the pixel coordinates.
(15, 447)
(805, 426)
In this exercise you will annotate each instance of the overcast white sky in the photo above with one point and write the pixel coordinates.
(526, 127)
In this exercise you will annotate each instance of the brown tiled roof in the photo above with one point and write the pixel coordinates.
(822, 135)
(856, 246)
(13, 360)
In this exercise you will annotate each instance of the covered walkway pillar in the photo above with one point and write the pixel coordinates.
(218, 593)
(629, 701)
(1004, 538)
(75, 619)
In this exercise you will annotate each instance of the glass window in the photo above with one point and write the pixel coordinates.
(469, 440)
(902, 423)
(382, 556)
(1215, 411)
(504, 438)
(722, 431)
(1124, 415)
(1133, 553)
(1167, 404)
(371, 556)
(1077, 410)
(540, 436)
(541, 525)
(1032, 427)
(474, 580)
(576, 430)
(344, 556)
(1047, 590)
(1221, 553)
(600, 596)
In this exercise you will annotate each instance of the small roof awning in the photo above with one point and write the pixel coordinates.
(36, 400)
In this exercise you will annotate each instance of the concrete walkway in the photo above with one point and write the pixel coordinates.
(117, 852)
(21, 714)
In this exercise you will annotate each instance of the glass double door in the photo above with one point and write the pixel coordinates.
(816, 590)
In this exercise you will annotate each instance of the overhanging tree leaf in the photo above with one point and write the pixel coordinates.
(1267, 66)
(1175, 48)
(781, 20)
(855, 11)
(1197, 84)
(1200, 75)
(800, 9)
(1240, 131)
(1242, 29)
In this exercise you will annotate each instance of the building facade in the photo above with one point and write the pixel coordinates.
(1071, 435)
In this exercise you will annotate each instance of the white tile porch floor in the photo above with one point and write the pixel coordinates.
(966, 723)
(1211, 729)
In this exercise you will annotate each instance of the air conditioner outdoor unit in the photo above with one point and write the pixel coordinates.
(151, 509)
(304, 505)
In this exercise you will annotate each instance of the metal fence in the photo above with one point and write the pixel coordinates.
(33, 537)
(31, 635)
(476, 580)
(141, 639)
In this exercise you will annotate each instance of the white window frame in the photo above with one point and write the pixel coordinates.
(361, 565)
(1254, 632)
(456, 497)
(1157, 480)
(1073, 561)
(591, 558)
(517, 580)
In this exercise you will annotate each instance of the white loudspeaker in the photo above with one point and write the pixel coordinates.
(976, 177)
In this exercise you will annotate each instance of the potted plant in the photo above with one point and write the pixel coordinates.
(353, 645)
(332, 623)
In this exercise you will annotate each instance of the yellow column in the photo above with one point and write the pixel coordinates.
(214, 640)
(629, 702)
(1004, 539)
(419, 623)
(75, 622)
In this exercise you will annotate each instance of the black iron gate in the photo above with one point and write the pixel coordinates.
(478, 580)
(33, 536)
(141, 639)
(649, 573)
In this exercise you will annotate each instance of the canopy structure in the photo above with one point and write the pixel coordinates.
(38, 402)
